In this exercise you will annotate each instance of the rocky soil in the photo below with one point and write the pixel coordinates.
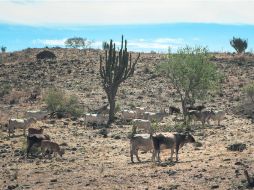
(94, 162)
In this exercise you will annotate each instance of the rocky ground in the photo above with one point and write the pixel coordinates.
(94, 162)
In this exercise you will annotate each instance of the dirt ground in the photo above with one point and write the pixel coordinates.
(94, 162)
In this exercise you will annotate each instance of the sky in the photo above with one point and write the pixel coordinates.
(147, 24)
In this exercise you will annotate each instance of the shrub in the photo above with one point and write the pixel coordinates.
(3, 49)
(118, 107)
(45, 55)
(61, 104)
(249, 90)
(239, 44)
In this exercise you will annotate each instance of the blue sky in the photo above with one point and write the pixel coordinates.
(147, 24)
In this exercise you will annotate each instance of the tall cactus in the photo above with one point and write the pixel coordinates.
(115, 68)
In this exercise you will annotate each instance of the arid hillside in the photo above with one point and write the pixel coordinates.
(96, 161)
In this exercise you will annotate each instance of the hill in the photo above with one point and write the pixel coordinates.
(93, 162)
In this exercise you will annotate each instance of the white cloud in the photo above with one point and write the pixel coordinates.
(170, 40)
(51, 42)
(44, 12)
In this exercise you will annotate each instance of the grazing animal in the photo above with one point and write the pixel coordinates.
(97, 119)
(173, 109)
(37, 114)
(19, 123)
(140, 142)
(171, 141)
(52, 147)
(142, 124)
(155, 117)
(203, 116)
(218, 116)
(32, 131)
(128, 115)
(35, 139)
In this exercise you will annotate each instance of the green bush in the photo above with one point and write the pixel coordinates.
(60, 103)
(249, 90)
(239, 44)
(192, 74)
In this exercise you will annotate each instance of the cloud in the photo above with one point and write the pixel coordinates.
(95, 12)
(51, 42)
(159, 44)
(146, 45)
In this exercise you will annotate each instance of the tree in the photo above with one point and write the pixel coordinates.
(239, 44)
(3, 49)
(191, 74)
(115, 68)
(77, 42)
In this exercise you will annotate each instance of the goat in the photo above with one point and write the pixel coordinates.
(140, 112)
(203, 116)
(19, 123)
(218, 116)
(37, 114)
(98, 119)
(51, 146)
(142, 124)
(35, 139)
(32, 131)
(128, 115)
(155, 117)
(140, 142)
(173, 109)
(172, 141)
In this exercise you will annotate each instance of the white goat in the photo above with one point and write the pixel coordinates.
(142, 124)
(98, 119)
(19, 123)
(156, 117)
(218, 116)
(128, 115)
(140, 142)
(37, 114)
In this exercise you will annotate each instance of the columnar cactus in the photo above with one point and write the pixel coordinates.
(115, 68)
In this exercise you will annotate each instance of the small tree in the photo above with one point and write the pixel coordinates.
(239, 44)
(3, 49)
(191, 74)
(77, 42)
(114, 69)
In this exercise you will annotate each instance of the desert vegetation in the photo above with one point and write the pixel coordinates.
(186, 116)
(240, 45)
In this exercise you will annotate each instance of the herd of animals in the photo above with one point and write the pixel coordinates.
(140, 118)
